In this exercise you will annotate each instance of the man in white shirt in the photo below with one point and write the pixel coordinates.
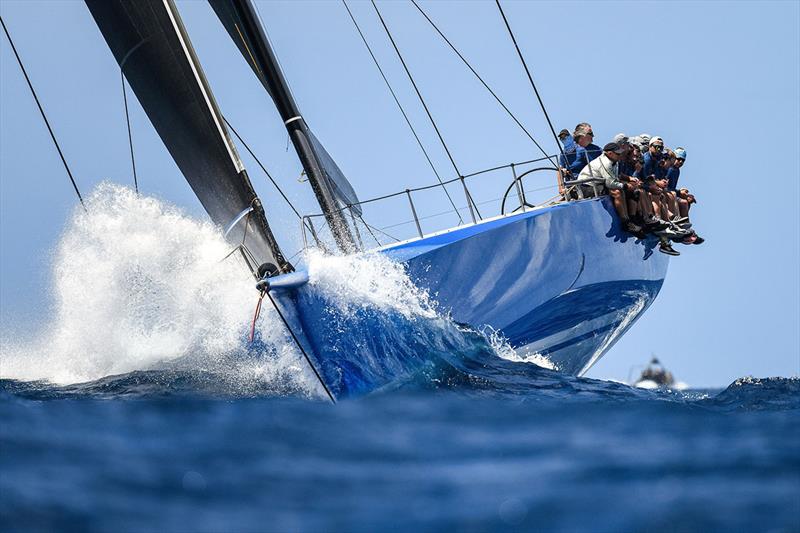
(605, 170)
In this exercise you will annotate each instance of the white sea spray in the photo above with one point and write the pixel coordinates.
(139, 285)
(503, 349)
(368, 280)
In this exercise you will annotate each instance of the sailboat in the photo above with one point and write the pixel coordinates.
(560, 280)
(656, 376)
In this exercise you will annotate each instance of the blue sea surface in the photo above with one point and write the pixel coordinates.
(479, 446)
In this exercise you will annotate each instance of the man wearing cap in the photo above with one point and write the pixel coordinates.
(642, 141)
(639, 202)
(652, 158)
(675, 171)
(605, 169)
(683, 198)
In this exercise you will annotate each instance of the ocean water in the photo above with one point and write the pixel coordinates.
(143, 407)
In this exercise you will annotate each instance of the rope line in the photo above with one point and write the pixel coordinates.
(41, 110)
(530, 78)
(405, 115)
(255, 316)
(416, 89)
(130, 137)
(463, 59)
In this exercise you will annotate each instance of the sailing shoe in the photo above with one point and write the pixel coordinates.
(666, 248)
(679, 234)
(671, 234)
(631, 227)
(656, 224)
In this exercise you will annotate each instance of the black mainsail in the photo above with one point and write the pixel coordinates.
(150, 44)
(334, 193)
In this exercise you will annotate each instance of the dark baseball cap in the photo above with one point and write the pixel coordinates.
(614, 147)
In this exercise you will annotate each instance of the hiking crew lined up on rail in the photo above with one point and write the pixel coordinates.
(640, 175)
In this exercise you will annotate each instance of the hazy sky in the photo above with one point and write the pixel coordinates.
(719, 78)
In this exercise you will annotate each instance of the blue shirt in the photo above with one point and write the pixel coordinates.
(576, 156)
(672, 175)
(566, 159)
(569, 144)
(627, 169)
(651, 166)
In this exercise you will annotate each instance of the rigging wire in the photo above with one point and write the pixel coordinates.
(416, 89)
(379, 230)
(299, 345)
(463, 59)
(41, 110)
(258, 161)
(530, 78)
(369, 229)
(405, 116)
(306, 223)
(130, 137)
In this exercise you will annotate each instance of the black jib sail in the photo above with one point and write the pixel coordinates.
(333, 191)
(153, 50)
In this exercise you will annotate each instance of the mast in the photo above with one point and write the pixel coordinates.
(149, 42)
(331, 188)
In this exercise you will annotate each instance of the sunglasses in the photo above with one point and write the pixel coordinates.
(590, 133)
(658, 147)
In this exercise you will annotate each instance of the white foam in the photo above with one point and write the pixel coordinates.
(504, 350)
(367, 280)
(137, 284)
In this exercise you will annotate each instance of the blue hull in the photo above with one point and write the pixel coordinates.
(564, 282)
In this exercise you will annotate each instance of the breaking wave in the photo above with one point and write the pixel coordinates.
(140, 291)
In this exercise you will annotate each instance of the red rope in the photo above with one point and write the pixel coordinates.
(256, 315)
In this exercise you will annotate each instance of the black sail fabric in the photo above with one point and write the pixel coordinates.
(151, 46)
(238, 18)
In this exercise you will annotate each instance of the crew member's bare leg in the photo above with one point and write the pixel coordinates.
(633, 207)
(618, 196)
(683, 207)
(645, 203)
(672, 202)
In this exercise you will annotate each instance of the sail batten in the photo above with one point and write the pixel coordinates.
(150, 43)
